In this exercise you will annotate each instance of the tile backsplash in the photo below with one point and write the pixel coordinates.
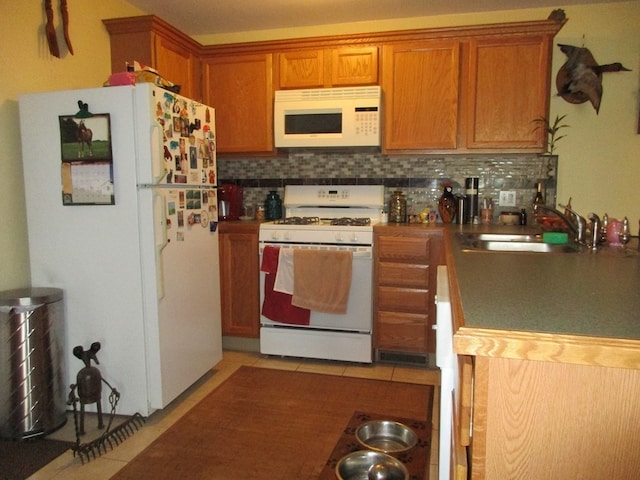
(420, 177)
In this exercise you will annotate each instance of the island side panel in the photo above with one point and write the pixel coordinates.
(548, 420)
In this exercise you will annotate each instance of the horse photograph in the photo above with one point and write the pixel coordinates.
(85, 138)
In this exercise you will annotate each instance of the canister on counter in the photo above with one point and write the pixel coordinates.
(471, 187)
(398, 207)
(462, 210)
(260, 212)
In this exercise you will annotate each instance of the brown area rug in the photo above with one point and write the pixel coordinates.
(272, 424)
(20, 459)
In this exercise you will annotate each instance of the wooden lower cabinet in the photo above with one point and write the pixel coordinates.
(404, 288)
(239, 279)
(551, 420)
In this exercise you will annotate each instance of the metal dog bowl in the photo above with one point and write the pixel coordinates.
(386, 436)
(370, 465)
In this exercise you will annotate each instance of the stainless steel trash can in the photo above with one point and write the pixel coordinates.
(32, 373)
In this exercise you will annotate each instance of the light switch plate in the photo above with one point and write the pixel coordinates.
(507, 198)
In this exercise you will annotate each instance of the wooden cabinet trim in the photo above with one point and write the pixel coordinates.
(606, 352)
(148, 24)
(547, 27)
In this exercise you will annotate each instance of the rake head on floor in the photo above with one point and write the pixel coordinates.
(110, 439)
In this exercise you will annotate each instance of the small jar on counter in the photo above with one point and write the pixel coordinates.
(260, 212)
(398, 207)
(273, 206)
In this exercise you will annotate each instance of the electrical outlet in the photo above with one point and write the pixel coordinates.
(507, 198)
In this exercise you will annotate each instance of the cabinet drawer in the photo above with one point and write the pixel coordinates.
(403, 275)
(397, 331)
(404, 249)
(398, 299)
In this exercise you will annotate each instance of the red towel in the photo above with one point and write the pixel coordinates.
(277, 305)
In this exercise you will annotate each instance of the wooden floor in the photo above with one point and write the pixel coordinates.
(105, 466)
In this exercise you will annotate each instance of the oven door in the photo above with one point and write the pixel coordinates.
(359, 317)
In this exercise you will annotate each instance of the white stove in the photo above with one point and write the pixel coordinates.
(327, 215)
(323, 217)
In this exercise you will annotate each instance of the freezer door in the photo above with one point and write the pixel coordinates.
(180, 133)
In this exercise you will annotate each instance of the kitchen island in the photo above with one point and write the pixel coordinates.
(555, 344)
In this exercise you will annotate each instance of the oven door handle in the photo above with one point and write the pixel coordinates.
(365, 252)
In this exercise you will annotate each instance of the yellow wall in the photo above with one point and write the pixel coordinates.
(26, 66)
(599, 159)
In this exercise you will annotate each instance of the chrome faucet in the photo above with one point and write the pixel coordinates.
(576, 223)
(595, 227)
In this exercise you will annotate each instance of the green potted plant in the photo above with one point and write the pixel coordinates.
(552, 130)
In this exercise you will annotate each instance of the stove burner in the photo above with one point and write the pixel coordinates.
(356, 222)
(298, 221)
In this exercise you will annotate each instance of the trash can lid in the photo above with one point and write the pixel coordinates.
(23, 297)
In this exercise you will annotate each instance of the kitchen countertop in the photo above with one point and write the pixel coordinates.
(575, 307)
(593, 294)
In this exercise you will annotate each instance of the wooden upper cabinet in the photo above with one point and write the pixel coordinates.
(354, 66)
(153, 42)
(508, 88)
(240, 89)
(301, 69)
(420, 81)
(330, 67)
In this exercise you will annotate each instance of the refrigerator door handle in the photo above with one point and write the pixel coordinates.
(157, 153)
(162, 240)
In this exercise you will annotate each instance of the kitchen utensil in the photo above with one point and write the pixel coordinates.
(65, 24)
(50, 30)
(229, 202)
(386, 436)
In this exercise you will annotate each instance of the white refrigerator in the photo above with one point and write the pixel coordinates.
(122, 215)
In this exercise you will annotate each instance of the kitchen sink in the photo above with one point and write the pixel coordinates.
(508, 242)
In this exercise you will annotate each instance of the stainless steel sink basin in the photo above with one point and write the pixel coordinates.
(508, 242)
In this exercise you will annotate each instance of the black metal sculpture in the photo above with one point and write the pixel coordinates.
(89, 382)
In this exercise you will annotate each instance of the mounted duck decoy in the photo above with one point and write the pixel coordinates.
(580, 78)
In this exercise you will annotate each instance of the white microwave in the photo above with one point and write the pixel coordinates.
(328, 117)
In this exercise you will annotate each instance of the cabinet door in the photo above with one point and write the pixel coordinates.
(240, 89)
(421, 82)
(508, 88)
(354, 66)
(331, 67)
(178, 65)
(239, 284)
(301, 69)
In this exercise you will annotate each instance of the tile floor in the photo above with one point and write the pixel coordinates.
(70, 468)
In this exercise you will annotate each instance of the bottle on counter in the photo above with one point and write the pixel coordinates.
(397, 207)
(539, 198)
(447, 205)
(523, 216)
(273, 206)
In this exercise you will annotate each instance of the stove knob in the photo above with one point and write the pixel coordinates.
(354, 237)
(339, 237)
(288, 235)
(274, 235)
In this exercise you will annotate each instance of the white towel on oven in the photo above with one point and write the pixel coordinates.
(284, 275)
